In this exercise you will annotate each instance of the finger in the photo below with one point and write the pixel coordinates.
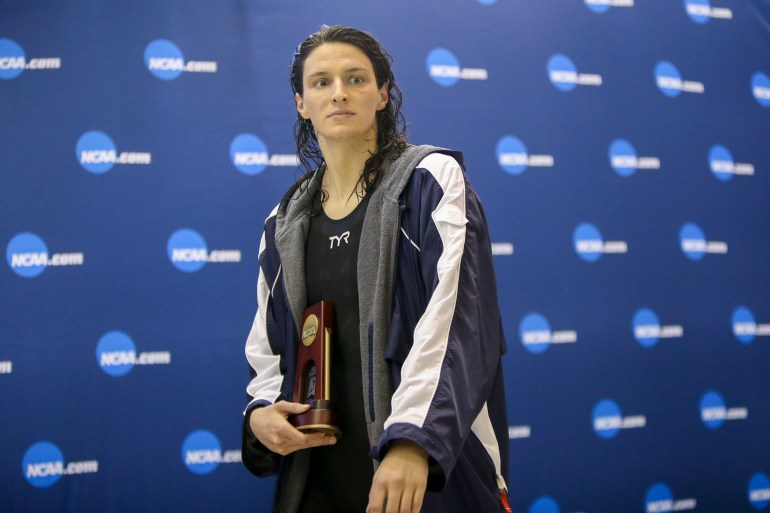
(285, 447)
(392, 502)
(417, 499)
(406, 503)
(291, 434)
(319, 440)
(394, 491)
(376, 498)
(279, 435)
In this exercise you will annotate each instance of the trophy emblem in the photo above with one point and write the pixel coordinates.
(312, 382)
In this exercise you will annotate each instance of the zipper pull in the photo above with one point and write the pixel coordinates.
(504, 500)
(503, 493)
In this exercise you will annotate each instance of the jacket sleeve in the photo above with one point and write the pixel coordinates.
(263, 353)
(457, 341)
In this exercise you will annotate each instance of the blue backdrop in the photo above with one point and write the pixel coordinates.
(621, 150)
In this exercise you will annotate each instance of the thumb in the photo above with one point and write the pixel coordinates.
(291, 408)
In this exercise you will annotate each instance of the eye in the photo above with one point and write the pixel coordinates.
(321, 82)
(356, 80)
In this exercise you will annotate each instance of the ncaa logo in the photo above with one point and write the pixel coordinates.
(164, 59)
(187, 250)
(96, 152)
(544, 504)
(759, 491)
(724, 167)
(27, 255)
(714, 412)
(562, 72)
(602, 6)
(608, 420)
(694, 245)
(745, 327)
(444, 68)
(693, 241)
(760, 88)
(116, 353)
(590, 246)
(201, 452)
(12, 59)
(660, 499)
(536, 335)
(670, 83)
(623, 157)
(248, 154)
(647, 329)
(700, 11)
(598, 6)
(42, 464)
(564, 75)
(668, 78)
(624, 161)
(513, 157)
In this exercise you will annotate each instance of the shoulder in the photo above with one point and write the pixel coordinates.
(440, 170)
(443, 167)
(438, 160)
(400, 169)
(437, 189)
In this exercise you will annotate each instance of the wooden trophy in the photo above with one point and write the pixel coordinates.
(312, 382)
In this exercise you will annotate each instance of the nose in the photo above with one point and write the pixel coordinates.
(340, 93)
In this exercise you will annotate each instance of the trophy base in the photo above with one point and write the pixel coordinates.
(320, 418)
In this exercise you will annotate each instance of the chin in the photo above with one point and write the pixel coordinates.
(346, 134)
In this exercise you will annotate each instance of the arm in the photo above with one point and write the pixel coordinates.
(457, 341)
(266, 432)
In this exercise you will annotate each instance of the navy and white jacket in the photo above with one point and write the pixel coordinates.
(430, 330)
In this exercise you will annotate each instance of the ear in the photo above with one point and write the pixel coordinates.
(383, 97)
(300, 103)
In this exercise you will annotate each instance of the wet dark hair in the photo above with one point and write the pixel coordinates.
(391, 127)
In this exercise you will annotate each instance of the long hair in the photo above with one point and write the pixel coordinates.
(391, 127)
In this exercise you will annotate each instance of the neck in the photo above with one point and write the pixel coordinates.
(344, 164)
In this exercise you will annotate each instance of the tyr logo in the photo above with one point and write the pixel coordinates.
(344, 236)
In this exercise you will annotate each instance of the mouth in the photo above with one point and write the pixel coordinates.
(341, 114)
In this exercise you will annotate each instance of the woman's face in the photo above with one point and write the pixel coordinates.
(340, 94)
